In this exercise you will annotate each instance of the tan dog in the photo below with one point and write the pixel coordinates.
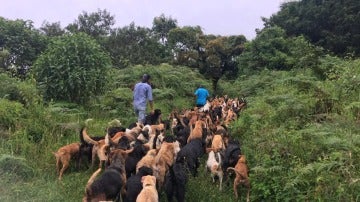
(242, 177)
(217, 144)
(164, 159)
(149, 192)
(197, 131)
(148, 160)
(64, 155)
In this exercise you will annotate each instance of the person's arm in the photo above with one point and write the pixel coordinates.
(151, 104)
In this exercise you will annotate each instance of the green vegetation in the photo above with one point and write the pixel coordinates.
(299, 131)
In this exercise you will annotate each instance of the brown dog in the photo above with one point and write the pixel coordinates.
(164, 159)
(64, 155)
(242, 177)
(217, 144)
(148, 160)
(149, 192)
(197, 131)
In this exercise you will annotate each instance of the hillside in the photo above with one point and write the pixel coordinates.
(300, 132)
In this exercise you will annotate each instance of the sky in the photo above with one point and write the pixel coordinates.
(224, 17)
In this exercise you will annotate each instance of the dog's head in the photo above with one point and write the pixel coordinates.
(148, 180)
(242, 159)
(117, 157)
(144, 170)
(157, 112)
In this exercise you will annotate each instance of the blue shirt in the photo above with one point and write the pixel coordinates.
(202, 95)
(142, 93)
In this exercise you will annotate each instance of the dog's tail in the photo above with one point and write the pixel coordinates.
(237, 172)
(92, 179)
(84, 137)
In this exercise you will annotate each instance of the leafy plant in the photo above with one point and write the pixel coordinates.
(73, 68)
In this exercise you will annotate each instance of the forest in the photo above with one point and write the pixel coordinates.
(300, 77)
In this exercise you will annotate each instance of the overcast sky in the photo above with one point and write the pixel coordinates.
(224, 17)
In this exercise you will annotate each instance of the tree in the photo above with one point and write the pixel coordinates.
(96, 24)
(185, 45)
(332, 24)
(213, 56)
(21, 44)
(52, 29)
(272, 49)
(134, 45)
(73, 68)
(219, 57)
(162, 26)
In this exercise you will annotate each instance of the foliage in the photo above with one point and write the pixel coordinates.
(212, 55)
(172, 86)
(24, 91)
(15, 166)
(73, 68)
(299, 141)
(10, 113)
(133, 45)
(162, 26)
(272, 49)
(96, 24)
(331, 24)
(22, 45)
(52, 29)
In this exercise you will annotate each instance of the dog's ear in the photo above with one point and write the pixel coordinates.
(153, 179)
(142, 179)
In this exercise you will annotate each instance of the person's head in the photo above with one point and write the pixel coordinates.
(145, 78)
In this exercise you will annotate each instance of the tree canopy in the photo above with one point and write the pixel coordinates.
(20, 45)
(332, 24)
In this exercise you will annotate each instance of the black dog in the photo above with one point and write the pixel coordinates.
(153, 119)
(109, 185)
(191, 153)
(231, 155)
(133, 184)
(175, 182)
(134, 157)
(86, 148)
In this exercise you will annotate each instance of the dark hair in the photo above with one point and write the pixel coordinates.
(145, 78)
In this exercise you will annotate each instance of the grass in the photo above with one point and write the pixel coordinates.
(46, 187)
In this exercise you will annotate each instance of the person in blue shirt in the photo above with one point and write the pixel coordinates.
(141, 95)
(201, 96)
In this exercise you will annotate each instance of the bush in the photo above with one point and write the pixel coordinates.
(16, 166)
